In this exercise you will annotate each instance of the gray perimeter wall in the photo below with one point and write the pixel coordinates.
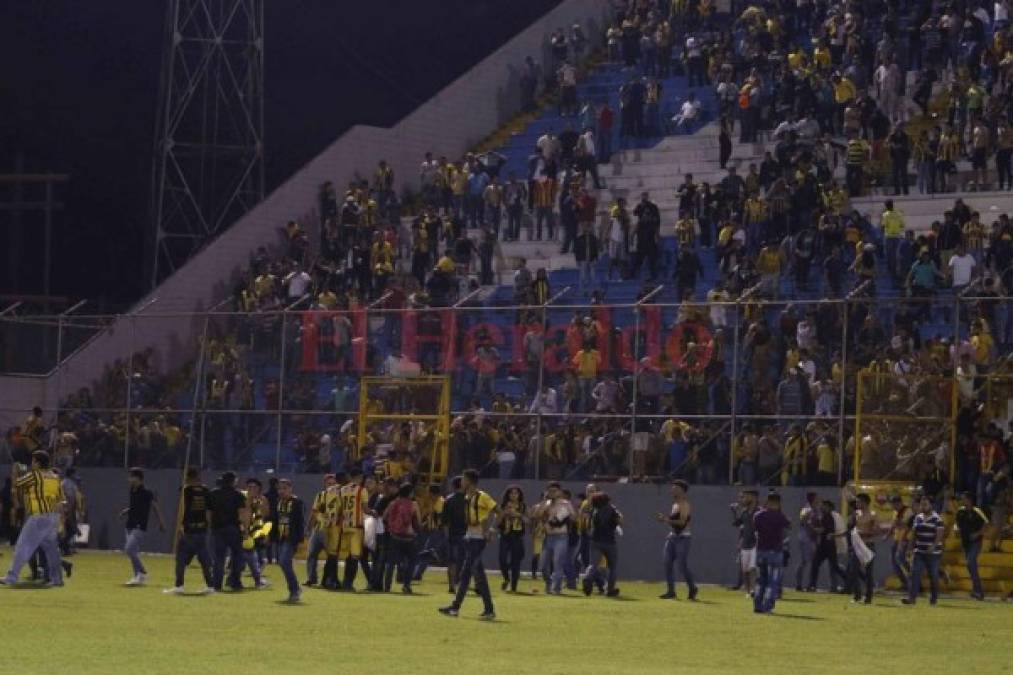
(640, 548)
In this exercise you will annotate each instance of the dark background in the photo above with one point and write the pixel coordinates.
(79, 88)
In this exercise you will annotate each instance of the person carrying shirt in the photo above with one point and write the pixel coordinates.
(480, 509)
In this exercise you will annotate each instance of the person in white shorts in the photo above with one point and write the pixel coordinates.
(747, 538)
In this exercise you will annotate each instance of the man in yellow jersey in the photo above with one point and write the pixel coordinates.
(40, 495)
(331, 526)
(482, 511)
(317, 529)
(354, 504)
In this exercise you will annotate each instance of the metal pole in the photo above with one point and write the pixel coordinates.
(130, 381)
(840, 397)
(59, 357)
(735, 394)
(281, 391)
(539, 441)
(47, 264)
(636, 371)
(198, 378)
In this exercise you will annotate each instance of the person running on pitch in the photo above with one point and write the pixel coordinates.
(38, 492)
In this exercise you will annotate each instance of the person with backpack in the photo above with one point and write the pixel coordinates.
(401, 521)
(605, 522)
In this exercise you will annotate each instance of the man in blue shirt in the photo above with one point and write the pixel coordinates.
(921, 281)
(478, 180)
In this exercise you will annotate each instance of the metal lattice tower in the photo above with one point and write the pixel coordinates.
(209, 143)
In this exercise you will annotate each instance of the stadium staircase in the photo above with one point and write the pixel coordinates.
(995, 569)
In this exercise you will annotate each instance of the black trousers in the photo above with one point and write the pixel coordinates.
(511, 553)
(227, 542)
(473, 567)
(825, 552)
(862, 574)
(192, 546)
(400, 557)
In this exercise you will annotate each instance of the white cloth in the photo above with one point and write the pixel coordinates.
(747, 559)
(298, 283)
(862, 551)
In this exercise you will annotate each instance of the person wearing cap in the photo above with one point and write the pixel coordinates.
(229, 515)
(771, 527)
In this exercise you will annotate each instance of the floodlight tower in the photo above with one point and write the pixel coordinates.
(209, 139)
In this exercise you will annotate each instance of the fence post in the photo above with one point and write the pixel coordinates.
(841, 396)
(281, 391)
(735, 393)
(636, 379)
(130, 380)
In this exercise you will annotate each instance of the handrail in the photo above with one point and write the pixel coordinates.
(10, 308)
(657, 289)
(73, 309)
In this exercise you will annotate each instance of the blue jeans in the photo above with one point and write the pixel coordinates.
(899, 560)
(769, 565)
(286, 551)
(921, 563)
(554, 553)
(39, 531)
(677, 550)
(971, 554)
(132, 548)
(314, 547)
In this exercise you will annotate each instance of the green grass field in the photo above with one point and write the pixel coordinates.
(95, 625)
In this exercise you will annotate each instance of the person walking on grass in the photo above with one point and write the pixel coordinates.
(771, 526)
(38, 492)
(481, 510)
(557, 512)
(193, 532)
(971, 523)
(605, 522)
(512, 521)
(142, 501)
(290, 534)
(927, 532)
(677, 543)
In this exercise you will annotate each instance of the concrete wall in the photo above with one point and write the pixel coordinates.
(451, 122)
(640, 548)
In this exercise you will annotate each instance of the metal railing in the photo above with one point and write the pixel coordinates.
(254, 388)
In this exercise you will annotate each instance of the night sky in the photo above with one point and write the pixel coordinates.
(80, 85)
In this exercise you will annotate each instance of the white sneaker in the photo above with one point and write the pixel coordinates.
(264, 583)
(142, 579)
(207, 591)
(134, 581)
(175, 590)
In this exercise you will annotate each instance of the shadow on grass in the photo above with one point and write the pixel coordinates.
(799, 617)
(795, 600)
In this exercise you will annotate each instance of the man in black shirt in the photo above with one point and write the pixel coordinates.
(388, 494)
(605, 519)
(646, 236)
(455, 520)
(826, 548)
(290, 534)
(971, 523)
(193, 532)
(141, 502)
(228, 515)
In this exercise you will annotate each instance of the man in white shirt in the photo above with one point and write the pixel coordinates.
(428, 173)
(694, 62)
(547, 144)
(887, 79)
(297, 282)
(545, 402)
(688, 113)
(962, 266)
